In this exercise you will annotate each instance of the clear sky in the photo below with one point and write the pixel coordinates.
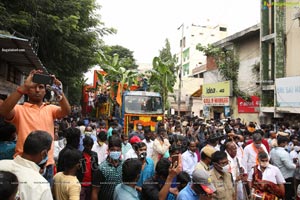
(144, 25)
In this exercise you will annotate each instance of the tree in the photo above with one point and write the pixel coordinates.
(117, 76)
(125, 55)
(159, 80)
(65, 34)
(163, 77)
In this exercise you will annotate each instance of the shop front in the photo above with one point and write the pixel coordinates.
(216, 100)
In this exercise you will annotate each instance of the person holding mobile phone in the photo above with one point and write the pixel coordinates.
(34, 114)
(158, 186)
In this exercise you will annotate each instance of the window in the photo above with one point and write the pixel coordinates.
(143, 104)
(222, 29)
(182, 43)
(14, 75)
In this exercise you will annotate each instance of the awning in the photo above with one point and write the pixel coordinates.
(197, 93)
(18, 52)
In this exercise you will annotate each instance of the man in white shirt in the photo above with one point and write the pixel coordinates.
(131, 153)
(100, 147)
(251, 151)
(27, 167)
(267, 178)
(189, 158)
(149, 143)
(236, 168)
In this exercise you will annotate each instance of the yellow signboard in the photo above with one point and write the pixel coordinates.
(220, 89)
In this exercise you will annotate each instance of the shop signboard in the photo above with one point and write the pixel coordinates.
(251, 106)
(220, 89)
(288, 91)
(216, 101)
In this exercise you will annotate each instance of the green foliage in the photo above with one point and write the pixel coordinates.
(163, 77)
(228, 66)
(125, 55)
(65, 34)
(116, 73)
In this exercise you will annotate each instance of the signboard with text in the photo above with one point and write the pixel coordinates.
(216, 101)
(288, 91)
(248, 106)
(220, 89)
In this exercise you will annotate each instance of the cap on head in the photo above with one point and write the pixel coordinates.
(208, 151)
(135, 139)
(202, 177)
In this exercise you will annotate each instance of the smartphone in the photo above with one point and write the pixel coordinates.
(175, 160)
(42, 79)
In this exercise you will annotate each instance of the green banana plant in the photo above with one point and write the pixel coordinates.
(162, 79)
(116, 73)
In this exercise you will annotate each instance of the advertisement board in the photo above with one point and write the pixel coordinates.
(248, 106)
(288, 91)
(216, 101)
(220, 89)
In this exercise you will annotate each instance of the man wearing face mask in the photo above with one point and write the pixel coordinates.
(220, 176)
(251, 151)
(266, 180)
(147, 170)
(138, 132)
(27, 167)
(131, 153)
(239, 141)
(281, 159)
(100, 146)
(126, 146)
(110, 171)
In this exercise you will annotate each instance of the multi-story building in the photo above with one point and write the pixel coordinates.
(190, 58)
(280, 61)
(191, 36)
(218, 96)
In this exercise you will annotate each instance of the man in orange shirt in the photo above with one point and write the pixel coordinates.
(34, 114)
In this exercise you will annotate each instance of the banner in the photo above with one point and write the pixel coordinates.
(248, 106)
(288, 91)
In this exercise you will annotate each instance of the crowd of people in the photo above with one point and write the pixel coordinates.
(46, 153)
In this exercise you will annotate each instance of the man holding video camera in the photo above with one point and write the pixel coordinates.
(35, 114)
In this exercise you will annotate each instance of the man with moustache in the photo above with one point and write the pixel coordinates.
(34, 114)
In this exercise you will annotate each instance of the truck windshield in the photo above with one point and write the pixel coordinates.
(143, 105)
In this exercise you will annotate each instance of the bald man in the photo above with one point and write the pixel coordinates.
(237, 170)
